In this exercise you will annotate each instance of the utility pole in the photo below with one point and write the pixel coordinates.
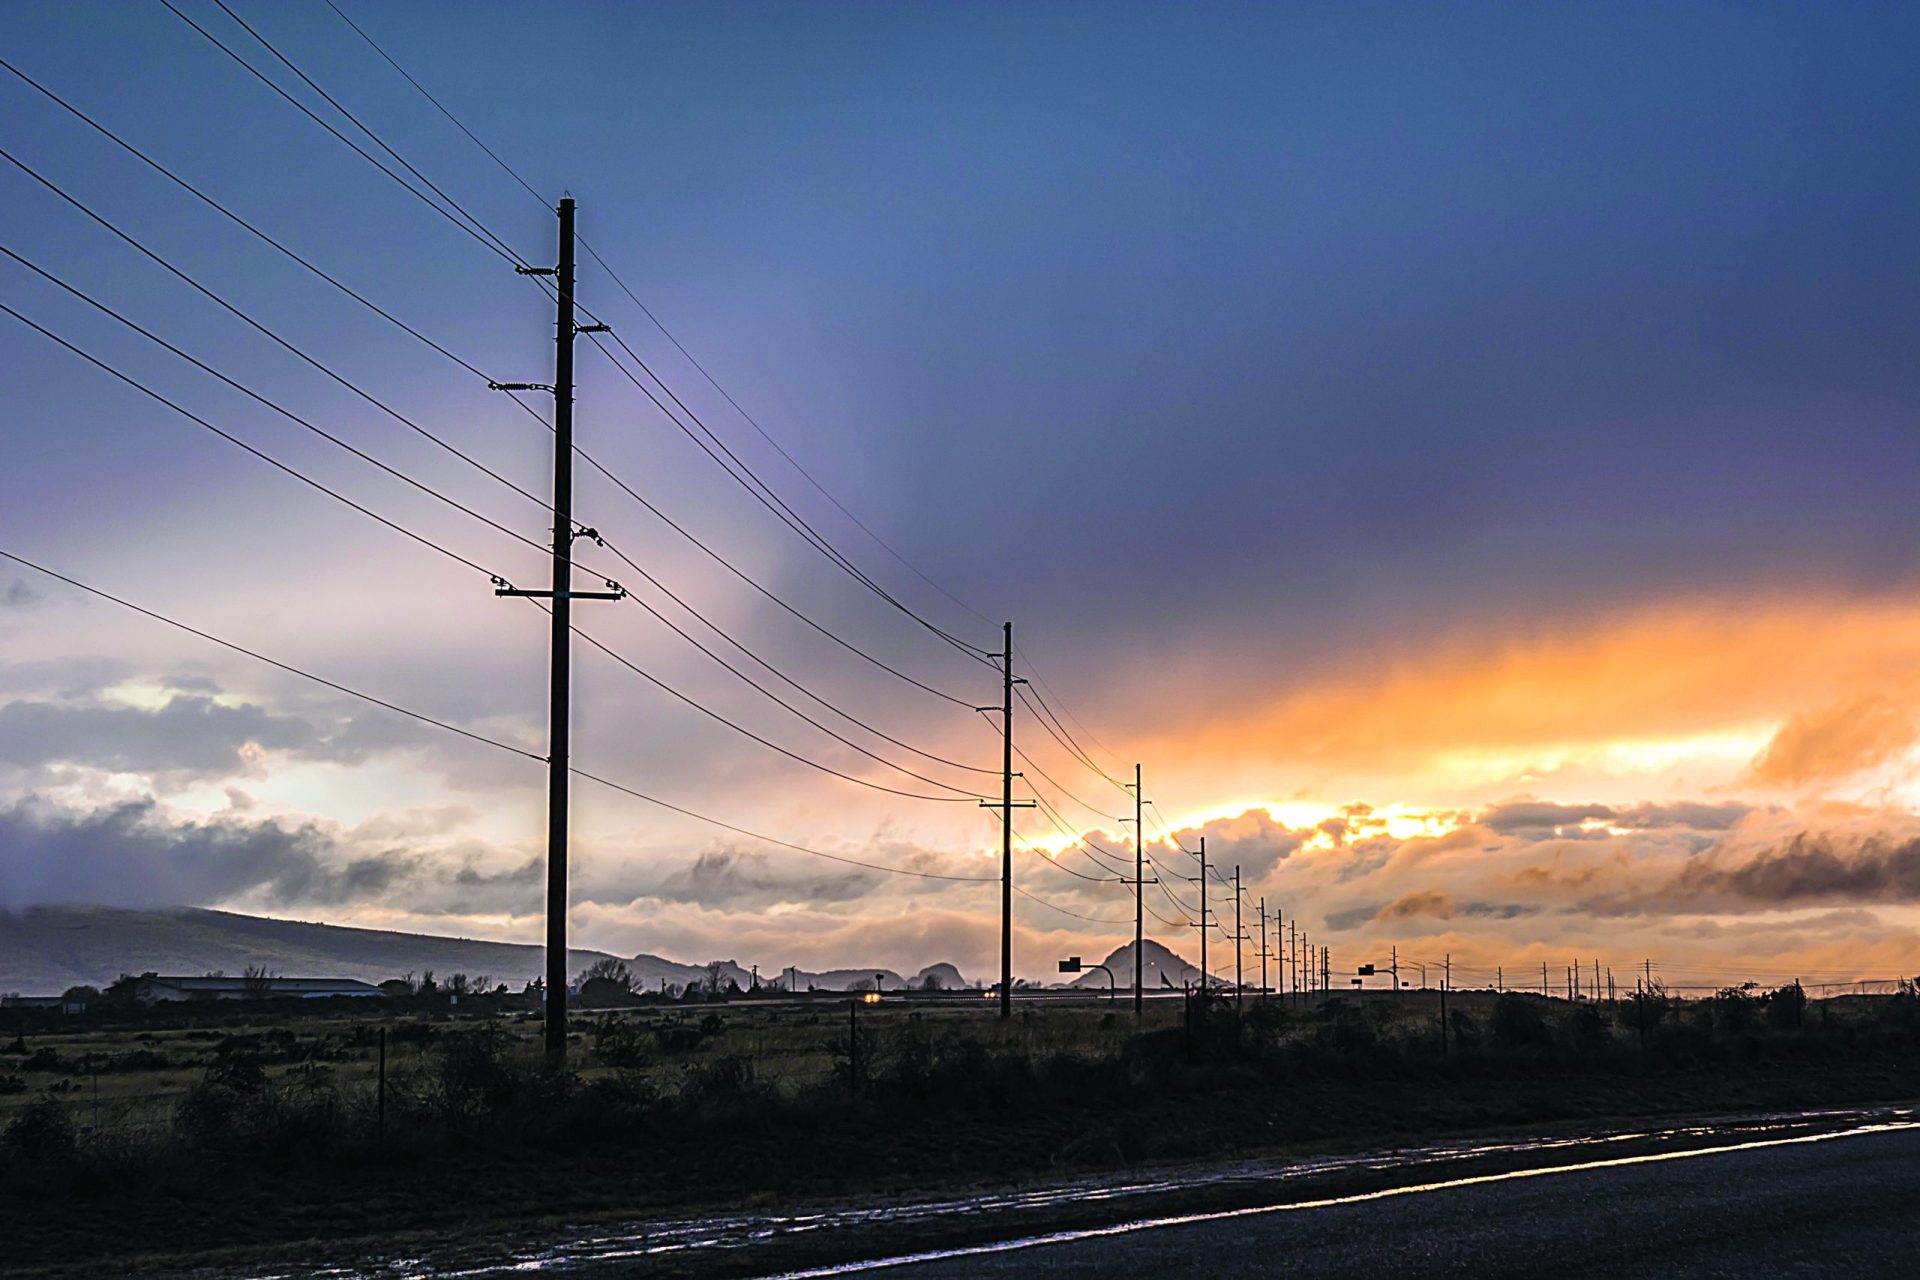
(1006, 806)
(1543, 977)
(1394, 965)
(1263, 949)
(561, 663)
(1239, 935)
(1139, 895)
(1293, 957)
(1203, 921)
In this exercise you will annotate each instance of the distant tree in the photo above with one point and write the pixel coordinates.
(605, 982)
(257, 980)
(81, 995)
(125, 989)
(716, 976)
(932, 983)
(427, 985)
(861, 984)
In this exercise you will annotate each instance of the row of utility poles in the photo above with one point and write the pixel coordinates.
(561, 595)
(1308, 972)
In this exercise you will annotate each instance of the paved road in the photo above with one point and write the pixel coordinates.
(1846, 1206)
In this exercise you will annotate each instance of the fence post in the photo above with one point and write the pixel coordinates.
(853, 1048)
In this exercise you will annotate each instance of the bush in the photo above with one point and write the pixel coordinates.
(1518, 1022)
(41, 1133)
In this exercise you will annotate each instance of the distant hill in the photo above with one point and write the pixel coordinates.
(48, 949)
(1156, 962)
(45, 950)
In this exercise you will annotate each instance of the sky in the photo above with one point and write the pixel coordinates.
(1463, 453)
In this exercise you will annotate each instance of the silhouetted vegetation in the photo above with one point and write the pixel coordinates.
(800, 1086)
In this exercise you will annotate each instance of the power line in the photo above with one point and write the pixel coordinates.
(477, 229)
(667, 688)
(741, 729)
(492, 243)
(422, 337)
(291, 416)
(241, 222)
(443, 111)
(477, 737)
(658, 324)
(1064, 911)
(764, 494)
(272, 662)
(121, 234)
(789, 680)
(782, 702)
(187, 279)
(236, 441)
(770, 594)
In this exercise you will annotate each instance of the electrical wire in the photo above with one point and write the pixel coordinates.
(657, 323)
(189, 280)
(492, 243)
(470, 734)
(665, 687)
(499, 246)
(415, 333)
(239, 443)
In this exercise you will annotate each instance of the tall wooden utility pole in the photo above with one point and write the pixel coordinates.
(1139, 895)
(1239, 936)
(1006, 806)
(1203, 918)
(560, 670)
(1263, 948)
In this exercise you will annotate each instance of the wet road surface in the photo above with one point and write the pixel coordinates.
(1834, 1205)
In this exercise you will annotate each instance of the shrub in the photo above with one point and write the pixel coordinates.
(1518, 1022)
(42, 1133)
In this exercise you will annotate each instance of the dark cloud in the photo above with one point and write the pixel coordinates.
(1806, 869)
(727, 878)
(131, 855)
(1430, 904)
(18, 595)
(190, 737)
(1538, 815)
(1692, 815)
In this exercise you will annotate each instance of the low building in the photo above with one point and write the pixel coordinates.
(65, 1004)
(157, 988)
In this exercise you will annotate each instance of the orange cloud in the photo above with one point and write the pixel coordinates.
(1635, 692)
(1836, 741)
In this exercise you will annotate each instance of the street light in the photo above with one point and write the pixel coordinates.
(1072, 965)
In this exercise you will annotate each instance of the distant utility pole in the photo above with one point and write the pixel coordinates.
(1006, 806)
(1263, 948)
(560, 668)
(1394, 965)
(1139, 895)
(1239, 935)
(1543, 977)
(1203, 918)
(1293, 945)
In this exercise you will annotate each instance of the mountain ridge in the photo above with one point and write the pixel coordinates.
(46, 949)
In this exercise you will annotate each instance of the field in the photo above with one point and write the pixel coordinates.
(162, 1114)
